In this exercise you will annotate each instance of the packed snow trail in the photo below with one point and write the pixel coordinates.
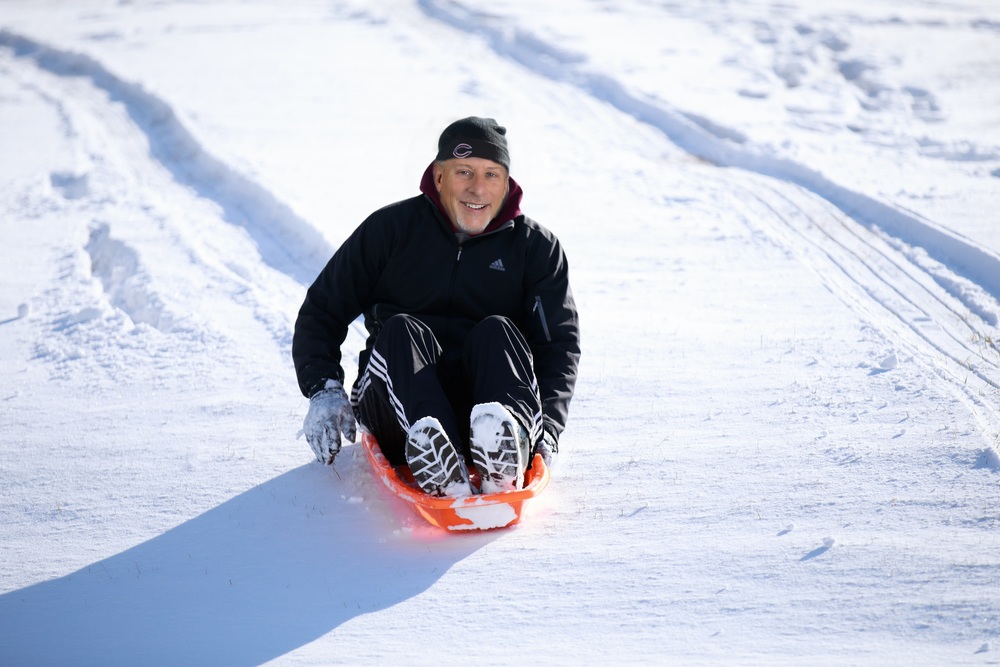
(102, 112)
(286, 241)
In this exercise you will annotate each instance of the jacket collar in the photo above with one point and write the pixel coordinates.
(510, 209)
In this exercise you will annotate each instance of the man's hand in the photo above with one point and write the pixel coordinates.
(329, 416)
(548, 448)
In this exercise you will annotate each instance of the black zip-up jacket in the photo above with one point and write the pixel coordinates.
(407, 258)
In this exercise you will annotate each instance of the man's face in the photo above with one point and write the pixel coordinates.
(472, 191)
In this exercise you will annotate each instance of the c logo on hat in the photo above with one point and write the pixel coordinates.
(462, 150)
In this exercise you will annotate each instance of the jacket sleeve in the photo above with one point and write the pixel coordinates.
(554, 331)
(334, 300)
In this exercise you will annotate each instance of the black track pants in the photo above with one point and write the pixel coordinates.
(408, 378)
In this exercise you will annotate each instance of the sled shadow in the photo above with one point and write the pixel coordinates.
(264, 573)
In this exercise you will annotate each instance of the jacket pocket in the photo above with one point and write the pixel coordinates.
(540, 312)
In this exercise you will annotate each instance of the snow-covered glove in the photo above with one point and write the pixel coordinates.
(329, 416)
(548, 448)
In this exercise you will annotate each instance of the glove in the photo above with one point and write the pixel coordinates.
(329, 416)
(548, 448)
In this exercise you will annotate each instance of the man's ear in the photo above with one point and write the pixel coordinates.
(438, 175)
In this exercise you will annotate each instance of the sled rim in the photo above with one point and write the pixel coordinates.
(477, 512)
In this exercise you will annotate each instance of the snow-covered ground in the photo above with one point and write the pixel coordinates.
(782, 222)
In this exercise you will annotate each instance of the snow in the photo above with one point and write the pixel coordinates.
(487, 516)
(781, 222)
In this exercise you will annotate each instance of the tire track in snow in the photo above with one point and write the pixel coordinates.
(893, 284)
(286, 242)
(864, 270)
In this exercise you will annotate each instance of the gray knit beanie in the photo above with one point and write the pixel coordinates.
(475, 137)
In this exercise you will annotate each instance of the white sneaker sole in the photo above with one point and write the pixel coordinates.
(436, 465)
(495, 452)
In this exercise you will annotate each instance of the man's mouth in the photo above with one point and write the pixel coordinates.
(474, 207)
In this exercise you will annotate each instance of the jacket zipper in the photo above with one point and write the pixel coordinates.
(451, 289)
(541, 316)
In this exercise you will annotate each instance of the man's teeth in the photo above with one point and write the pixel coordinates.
(476, 206)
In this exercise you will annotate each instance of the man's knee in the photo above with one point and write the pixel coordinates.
(499, 332)
(494, 326)
(406, 342)
(495, 321)
(405, 329)
(400, 323)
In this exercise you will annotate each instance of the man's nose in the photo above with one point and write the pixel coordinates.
(476, 184)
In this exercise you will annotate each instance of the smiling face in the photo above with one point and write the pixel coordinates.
(472, 191)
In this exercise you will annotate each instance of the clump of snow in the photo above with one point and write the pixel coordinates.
(888, 362)
(485, 517)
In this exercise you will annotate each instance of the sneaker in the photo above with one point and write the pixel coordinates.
(499, 447)
(436, 466)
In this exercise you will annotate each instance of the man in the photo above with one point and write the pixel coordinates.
(473, 335)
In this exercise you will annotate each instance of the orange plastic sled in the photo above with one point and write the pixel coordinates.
(479, 512)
